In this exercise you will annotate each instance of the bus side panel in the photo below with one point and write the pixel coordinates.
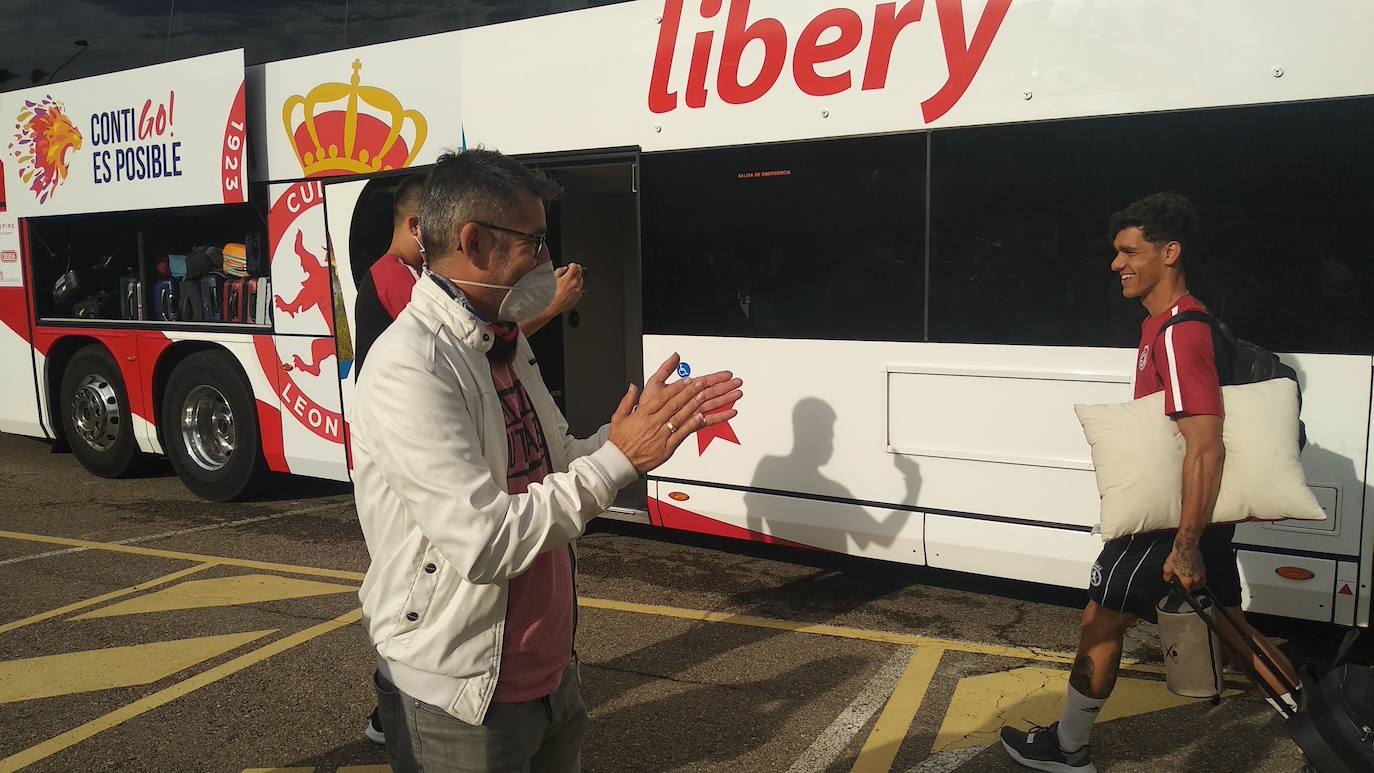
(123, 346)
(1366, 586)
(18, 384)
(341, 201)
(880, 430)
(257, 356)
(311, 362)
(1011, 550)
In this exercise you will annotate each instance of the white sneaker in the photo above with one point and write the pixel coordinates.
(373, 731)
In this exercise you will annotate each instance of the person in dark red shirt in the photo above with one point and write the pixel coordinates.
(385, 290)
(1132, 574)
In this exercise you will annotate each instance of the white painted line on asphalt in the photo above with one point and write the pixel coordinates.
(831, 744)
(946, 762)
(177, 533)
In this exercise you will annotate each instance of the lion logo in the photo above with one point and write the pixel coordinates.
(44, 139)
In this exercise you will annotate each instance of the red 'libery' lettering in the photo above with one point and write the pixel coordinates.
(661, 100)
(810, 53)
(737, 37)
(888, 23)
(963, 58)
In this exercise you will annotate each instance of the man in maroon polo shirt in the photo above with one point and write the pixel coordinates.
(1151, 238)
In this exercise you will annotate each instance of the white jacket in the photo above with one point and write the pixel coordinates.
(430, 457)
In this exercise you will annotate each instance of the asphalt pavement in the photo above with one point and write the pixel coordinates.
(144, 630)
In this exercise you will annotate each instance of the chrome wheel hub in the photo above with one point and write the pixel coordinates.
(207, 428)
(95, 412)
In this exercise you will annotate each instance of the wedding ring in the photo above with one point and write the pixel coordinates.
(671, 428)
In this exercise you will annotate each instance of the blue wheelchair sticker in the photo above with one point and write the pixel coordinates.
(684, 370)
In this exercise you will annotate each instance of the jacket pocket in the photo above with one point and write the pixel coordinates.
(421, 597)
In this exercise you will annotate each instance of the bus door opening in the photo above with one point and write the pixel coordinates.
(589, 355)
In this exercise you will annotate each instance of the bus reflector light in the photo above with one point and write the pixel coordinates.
(1294, 573)
(678, 496)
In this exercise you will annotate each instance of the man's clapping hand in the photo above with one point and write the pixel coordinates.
(649, 427)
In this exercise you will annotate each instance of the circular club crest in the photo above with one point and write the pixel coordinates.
(302, 299)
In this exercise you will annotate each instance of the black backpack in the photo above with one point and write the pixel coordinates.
(189, 303)
(1240, 361)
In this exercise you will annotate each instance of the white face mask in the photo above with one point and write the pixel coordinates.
(528, 297)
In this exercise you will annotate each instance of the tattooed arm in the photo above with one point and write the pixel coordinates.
(1202, 464)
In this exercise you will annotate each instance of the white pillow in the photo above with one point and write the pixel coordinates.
(1138, 455)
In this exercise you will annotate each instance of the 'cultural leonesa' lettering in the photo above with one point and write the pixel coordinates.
(889, 20)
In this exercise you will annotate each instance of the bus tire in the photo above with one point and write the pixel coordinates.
(96, 419)
(210, 428)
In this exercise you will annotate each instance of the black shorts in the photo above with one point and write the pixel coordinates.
(1129, 574)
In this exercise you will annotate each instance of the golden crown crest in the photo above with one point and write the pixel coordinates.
(343, 153)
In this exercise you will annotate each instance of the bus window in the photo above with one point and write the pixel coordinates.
(1019, 254)
(267, 30)
(48, 41)
(379, 21)
(805, 240)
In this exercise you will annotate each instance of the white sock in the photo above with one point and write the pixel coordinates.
(1080, 712)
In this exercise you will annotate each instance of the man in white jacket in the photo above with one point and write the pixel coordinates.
(470, 490)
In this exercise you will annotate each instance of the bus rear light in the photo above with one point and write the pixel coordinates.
(678, 496)
(1294, 573)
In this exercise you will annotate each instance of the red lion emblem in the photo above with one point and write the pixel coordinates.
(315, 290)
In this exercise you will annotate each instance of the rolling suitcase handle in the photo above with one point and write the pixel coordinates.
(1258, 651)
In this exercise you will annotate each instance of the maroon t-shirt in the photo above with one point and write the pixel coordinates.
(395, 281)
(1181, 362)
(537, 644)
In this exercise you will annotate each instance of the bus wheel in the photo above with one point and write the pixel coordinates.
(210, 428)
(95, 414)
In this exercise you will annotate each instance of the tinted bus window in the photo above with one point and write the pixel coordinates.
(805, 240)
(41, 39)
(267, 30)
(1285, 195)
(379, 21)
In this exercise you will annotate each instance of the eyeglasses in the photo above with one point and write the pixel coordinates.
(539, 240)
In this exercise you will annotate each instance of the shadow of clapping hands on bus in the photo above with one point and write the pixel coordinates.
(804, 509)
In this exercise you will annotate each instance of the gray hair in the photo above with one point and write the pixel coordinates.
(476, 184)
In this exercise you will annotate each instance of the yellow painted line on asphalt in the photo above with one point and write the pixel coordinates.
(179, 556)
(58, 743)
(365, 769)
(47, 676)
(864, 634)
(982, 704)
(111, 596)
(891, 728)
(282, 770)
(699, 615)
(232, 591)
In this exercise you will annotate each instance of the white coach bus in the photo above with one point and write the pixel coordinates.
(887, 217)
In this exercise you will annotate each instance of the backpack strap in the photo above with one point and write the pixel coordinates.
(1223, 341)
(1192, 315)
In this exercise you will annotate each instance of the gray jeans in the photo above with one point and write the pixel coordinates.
(541, 736)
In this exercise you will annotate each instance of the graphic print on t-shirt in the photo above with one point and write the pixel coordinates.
(527, 456)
